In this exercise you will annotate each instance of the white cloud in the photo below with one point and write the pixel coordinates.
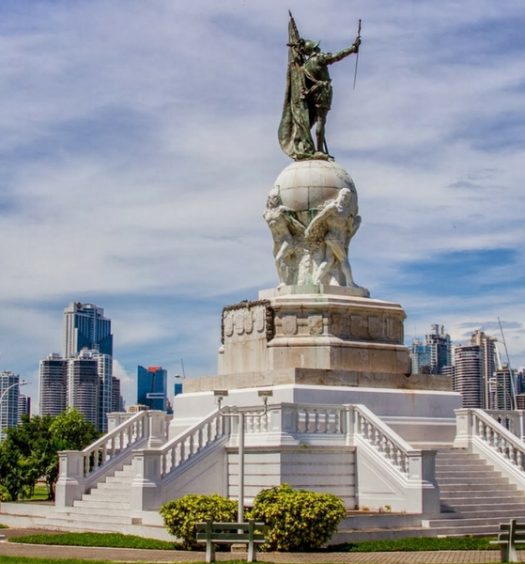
(139, 142)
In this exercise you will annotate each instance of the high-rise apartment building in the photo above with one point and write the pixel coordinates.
(53, 385)
(83, 385)
(9, 396)
(152, 387)
(117, 403)
(502, 394)
(86, 328)
(487, 360)
(440, 348)
(432, 356)
(24, 407)
(475, 374)
(420, 357)
(83, 377)
(467, 378)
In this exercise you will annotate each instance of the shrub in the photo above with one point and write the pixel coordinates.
(181, 515)
(298, 520)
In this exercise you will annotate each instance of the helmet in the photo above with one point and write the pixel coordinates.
(310, 46)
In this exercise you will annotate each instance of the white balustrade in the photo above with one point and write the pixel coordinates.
(381, 438)
(185, 446)
(475, 426)
(114, 443)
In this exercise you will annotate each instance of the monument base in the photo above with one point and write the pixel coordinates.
(317, 327)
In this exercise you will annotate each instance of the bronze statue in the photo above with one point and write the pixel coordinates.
(308, 95)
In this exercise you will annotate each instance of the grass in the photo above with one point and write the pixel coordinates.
(417, 544)
(118, 540)
(3, 526)
(107, 540)
(39, 494)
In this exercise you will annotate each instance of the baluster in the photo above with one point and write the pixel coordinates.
(172, 457)
(199, 440)
(104, 453)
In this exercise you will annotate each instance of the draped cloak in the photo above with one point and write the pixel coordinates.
(294, 129)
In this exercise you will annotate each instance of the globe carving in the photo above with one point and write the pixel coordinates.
(308, 185)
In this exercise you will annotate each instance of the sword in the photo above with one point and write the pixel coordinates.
(357, 54)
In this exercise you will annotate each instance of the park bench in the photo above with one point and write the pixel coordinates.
(510, 535)
(213, 533)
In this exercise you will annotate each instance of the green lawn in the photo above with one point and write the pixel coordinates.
(113, 540)
(117, 540)
(417, 544)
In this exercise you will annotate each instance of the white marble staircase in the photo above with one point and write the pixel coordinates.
(107, 507)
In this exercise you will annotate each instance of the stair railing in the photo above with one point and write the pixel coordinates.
(364, 424)
(80, 469)
(191, 442)
(481, 433)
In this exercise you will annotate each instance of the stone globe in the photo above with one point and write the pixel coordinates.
(308, 185)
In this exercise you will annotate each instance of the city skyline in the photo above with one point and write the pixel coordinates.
(139, 146)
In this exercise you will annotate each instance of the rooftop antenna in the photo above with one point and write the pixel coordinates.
(511, 374)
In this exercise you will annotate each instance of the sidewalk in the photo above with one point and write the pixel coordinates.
(136, 555)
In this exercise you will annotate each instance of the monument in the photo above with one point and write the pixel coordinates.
(342, 412)
(317, 317)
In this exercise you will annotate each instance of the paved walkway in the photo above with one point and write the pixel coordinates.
(152, 556)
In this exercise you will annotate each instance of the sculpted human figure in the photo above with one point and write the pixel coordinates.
(335, 225)
(284, 228)
(308, 95)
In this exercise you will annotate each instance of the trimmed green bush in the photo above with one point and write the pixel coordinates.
(181, 515)
(298, 520)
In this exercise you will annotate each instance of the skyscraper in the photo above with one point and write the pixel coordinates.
(475, 373)
(86, 327)
(467, 375)
(83, 385)
(420, 357)
(9, 394)
(152, 387)
(434, 355)
(487, 360)
(53, 384)
(440, 350)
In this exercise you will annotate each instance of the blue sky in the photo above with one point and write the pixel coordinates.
(138, 145)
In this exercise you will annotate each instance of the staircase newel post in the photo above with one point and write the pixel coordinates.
(349, 424)
(464, 431)
(156, 428)
(145, 488)
(70, 483)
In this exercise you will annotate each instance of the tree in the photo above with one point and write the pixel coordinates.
(30, 450)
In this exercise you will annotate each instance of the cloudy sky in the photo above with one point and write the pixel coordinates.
(138, 145)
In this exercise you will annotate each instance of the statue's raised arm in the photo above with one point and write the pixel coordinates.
(308, 96)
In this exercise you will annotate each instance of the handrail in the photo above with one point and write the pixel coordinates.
(192, 441)
(122, 438)
(381, 437)
(498, 438)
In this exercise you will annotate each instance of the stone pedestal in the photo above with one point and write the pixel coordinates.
(316, 327)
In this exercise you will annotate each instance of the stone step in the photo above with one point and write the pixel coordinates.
(482, 513)
(87, 518)
(470, 521)
(495, 500)
(462, 471)
(108, 495)
(113, 486)
(101, 504)
(108, 510)
(451, 491)
(500, 483)
(462, 475)
(467, 483)
(467, 466)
